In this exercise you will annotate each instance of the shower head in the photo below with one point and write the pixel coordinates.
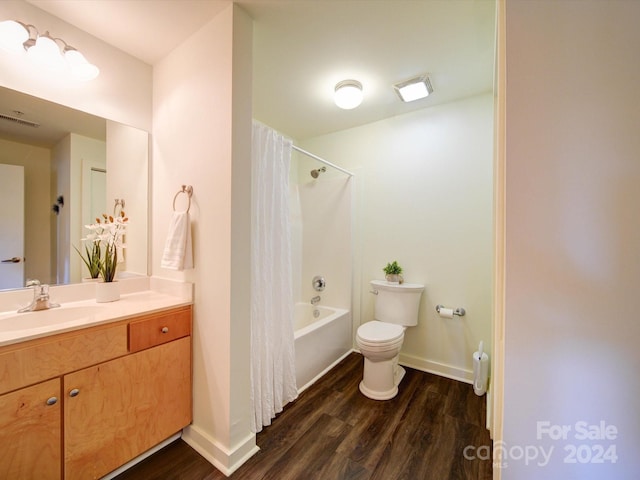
(316, 173)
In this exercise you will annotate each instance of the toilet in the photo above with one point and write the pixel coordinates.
(380, 340)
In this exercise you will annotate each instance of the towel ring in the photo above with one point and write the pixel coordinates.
(188, 190)
(119, 202)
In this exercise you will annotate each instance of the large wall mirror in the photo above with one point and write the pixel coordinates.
(59, 169)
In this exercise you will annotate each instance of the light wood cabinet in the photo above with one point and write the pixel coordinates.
(120, 389)
(30, 434)
(30, 362)
(124, 407)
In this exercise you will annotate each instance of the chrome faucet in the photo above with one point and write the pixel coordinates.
(315, 300)
(40, 300)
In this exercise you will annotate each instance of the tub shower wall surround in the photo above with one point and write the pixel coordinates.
(322, 228)
(321, 341)
(321, 238)
(95, 385)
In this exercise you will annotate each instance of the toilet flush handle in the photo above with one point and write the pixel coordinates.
(375, 292)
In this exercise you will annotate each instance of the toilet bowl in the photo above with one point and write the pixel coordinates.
(380, 344)
(380, 340)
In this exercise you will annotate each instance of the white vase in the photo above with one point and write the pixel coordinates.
(107, 292)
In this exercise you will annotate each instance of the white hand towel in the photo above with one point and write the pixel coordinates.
(178, 253)
(120, 251)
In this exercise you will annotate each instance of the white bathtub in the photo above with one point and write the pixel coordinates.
(320, 342)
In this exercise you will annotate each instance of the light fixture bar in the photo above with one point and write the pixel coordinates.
(414, 89)
(54, 53)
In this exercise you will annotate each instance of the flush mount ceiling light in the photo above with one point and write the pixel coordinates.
(348, 94)
(53, 53)
(414, 89)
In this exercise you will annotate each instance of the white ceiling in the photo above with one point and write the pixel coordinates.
(55, 121)
(302, 48)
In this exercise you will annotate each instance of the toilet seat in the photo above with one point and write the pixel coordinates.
(379, 334)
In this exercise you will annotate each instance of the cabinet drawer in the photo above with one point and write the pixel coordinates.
(38, 360)
(159, 328)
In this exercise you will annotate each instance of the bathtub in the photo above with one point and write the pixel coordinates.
(321, 341)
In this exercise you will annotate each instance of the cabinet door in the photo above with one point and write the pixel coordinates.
(117, 410)
(30, 432)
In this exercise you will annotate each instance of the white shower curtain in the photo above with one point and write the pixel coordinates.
(273, 381)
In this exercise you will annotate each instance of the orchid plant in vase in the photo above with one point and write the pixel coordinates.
(110, 232)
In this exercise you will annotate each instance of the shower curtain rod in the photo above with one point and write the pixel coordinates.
(322, 160)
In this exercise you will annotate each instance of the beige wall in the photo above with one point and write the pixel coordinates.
(321, 231)
(81, 148)
(61, 185)
(201, 137)
(67, 181)
(423, 197)
(572, 234)
(38, 204)
(127, 155)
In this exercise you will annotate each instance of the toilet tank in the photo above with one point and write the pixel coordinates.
(397, 303)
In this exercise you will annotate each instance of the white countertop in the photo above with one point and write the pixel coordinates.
(141, 296)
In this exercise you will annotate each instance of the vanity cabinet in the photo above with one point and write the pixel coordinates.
(120, 389)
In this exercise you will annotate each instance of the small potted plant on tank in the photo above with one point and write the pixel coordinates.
(393, 273)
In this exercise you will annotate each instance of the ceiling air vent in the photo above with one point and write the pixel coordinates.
(19, 121)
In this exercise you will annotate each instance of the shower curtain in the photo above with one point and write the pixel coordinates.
(273, 382)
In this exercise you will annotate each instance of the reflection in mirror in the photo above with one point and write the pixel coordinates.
(71, 166)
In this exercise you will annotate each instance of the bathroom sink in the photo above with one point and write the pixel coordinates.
(44, 318)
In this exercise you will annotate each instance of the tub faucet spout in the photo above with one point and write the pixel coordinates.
(315, 300)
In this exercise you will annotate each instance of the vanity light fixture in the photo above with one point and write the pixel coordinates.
(53, 53)
(13, 36)
(46, 52)
(414, 89)
(348, 94)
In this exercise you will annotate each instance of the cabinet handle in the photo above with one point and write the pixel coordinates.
(165, 330)
(52, 401)
(74, 392)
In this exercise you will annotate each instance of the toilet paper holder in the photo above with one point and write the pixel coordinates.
(456, 311)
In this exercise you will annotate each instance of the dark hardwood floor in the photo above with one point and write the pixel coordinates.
(334, 432)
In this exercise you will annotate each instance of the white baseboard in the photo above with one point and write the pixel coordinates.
(225, 460)
(442, 369)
